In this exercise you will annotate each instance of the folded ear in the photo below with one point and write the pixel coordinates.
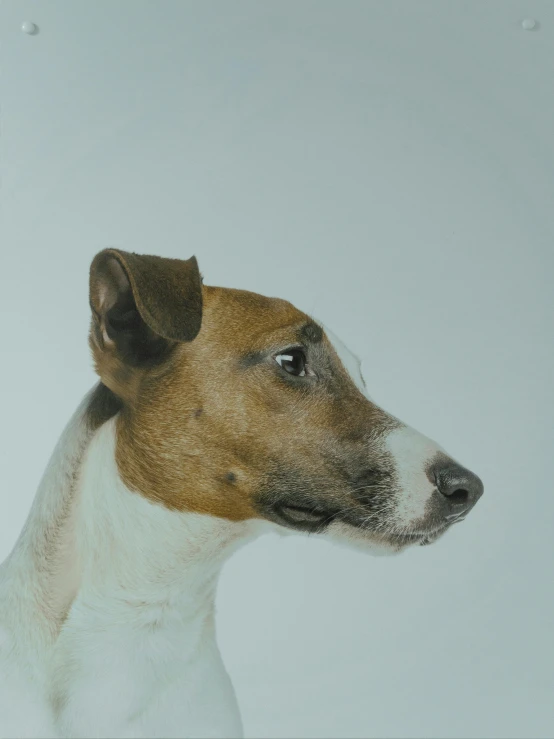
(142, 305)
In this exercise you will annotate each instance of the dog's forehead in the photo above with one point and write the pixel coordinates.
(245, 319)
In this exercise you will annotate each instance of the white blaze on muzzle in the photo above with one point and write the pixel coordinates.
(411, 452)
(412, 455)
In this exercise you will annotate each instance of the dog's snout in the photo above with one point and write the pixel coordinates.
(461, 488)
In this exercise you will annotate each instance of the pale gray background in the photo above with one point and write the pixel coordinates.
(389, 168)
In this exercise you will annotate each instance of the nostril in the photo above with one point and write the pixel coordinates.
(458, 496)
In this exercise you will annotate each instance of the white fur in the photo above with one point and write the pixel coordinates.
(37, 584)
(411, 452)
(136, 655)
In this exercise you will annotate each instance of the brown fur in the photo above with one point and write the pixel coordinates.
(203, 428)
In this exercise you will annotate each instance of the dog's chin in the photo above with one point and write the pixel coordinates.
(381, 544)
(433, 536)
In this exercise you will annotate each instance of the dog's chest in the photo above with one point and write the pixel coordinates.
(142, 672)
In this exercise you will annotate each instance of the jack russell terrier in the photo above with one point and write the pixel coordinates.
(219, 414)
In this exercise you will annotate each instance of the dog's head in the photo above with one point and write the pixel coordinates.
(243, 407)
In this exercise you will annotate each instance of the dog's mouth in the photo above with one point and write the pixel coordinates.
(305, 517)
(315, 519)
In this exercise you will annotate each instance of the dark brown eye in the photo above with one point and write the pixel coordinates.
(293, 361)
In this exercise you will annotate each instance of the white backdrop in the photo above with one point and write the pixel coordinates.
(387, 167)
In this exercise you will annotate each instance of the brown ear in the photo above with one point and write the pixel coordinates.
(142, 305)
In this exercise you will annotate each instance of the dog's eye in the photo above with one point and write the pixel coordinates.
(293, 361)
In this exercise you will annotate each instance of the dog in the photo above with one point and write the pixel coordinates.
(219, 414)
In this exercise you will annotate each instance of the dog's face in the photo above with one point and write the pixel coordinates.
(243, 407)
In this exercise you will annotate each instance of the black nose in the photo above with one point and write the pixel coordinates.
(460, 487)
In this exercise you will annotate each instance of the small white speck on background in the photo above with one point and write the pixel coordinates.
(29, 28)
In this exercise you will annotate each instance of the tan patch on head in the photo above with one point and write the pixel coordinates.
(209, 421)
(195, 435)
(204, 431)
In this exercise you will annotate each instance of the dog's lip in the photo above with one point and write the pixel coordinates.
(416, 535)
(297, 513)
(431, 536)
(428, 536)
(314, 517)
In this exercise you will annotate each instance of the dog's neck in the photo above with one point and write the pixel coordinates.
(89, 537)
(135, 552)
